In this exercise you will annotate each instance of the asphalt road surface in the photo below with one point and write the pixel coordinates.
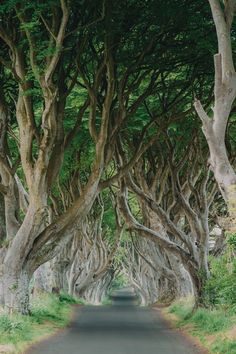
(121, 328)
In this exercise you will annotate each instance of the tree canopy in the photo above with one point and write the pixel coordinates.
(105, 169)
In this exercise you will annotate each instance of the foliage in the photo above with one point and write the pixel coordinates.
(106, 301)
(50, 307)
(220, 288)
(183, 312)
(211, 321)
(225, 346)
(231, 240)
(118, 282)
(177, 66)
(219, 296)
(205, 322)
(14, 329)
(69, 299)
(47, 313)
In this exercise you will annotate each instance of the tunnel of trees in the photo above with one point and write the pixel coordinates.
(117, 147)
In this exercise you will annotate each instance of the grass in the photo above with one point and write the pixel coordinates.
(224, 347)
(48, 313)
(107, 300)
(215, 328)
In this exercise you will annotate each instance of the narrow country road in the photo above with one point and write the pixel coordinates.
(122, 328)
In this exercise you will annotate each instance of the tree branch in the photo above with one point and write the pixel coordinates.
(59, 41)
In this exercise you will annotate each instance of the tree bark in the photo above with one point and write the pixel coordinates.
(16, 291)
(214, 128)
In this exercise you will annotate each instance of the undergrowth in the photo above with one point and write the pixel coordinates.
(206, 323)
(224, 347)
(216, 323)
(106, 301)
(204, 320)
(48, 312)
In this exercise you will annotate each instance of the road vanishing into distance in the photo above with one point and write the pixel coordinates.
(121, 328)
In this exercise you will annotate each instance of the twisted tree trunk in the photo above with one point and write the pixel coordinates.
(214, 128)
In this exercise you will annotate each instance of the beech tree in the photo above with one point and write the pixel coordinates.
(176, 200)
(41, 168)
(156, 275)
(77, 87)
(214, 127)
(58, 54)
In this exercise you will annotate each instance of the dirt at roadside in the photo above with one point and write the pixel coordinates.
(171, 321)
(7, 349)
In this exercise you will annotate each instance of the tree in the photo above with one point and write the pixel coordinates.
(79, 83)
(214, 127)
(41, 133)
(57, 55)
(176, 199)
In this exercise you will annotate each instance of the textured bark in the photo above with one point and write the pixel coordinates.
(93, 257)
(150, 272)
(98, 290)
(214, 128)
(2, 255)
(220, 243)
(16, 291)
(185, 240)
(2, 220)
(9, 187)
(33, 244)
(110, 102)
(42, 279)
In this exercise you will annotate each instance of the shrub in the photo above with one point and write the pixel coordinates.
(50, 308)
(10, 324)
(181, 311)
(182, 308)
(14, 328)
(204, 321)
(220, 289)
(223, 347)
(69, 299)
(210, 321)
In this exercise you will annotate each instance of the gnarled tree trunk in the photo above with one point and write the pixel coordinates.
(214, 128)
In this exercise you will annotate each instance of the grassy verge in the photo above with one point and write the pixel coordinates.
(216, 329)
(49, 313)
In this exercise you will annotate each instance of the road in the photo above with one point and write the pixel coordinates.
(122, 328)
